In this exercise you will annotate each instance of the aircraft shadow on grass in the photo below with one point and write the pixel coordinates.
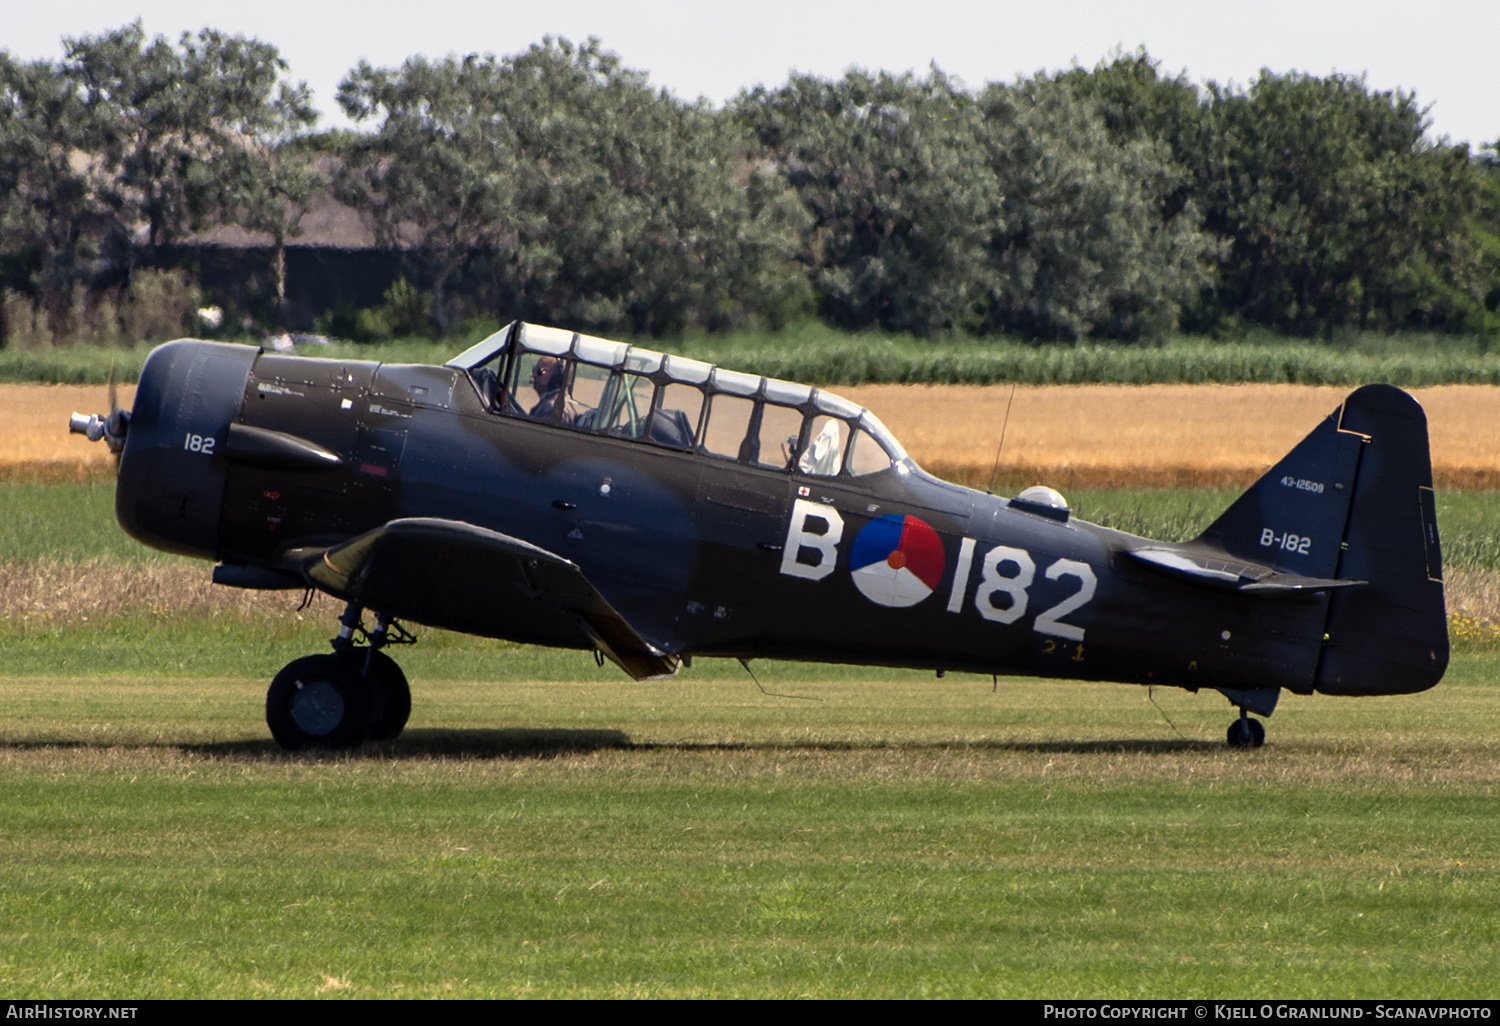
(447, 743)
(521, 743)
(554, 742)
(503, 743)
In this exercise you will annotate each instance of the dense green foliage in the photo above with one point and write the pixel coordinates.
(557, 185)
(897, 206)
(1084, 243)
(1336, 210)
(175, 138)
(588, 197)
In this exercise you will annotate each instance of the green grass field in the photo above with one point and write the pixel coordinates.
(899, 837)
(76, 521)
(549, 828)
(821, 355)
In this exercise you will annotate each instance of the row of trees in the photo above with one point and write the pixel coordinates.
(581, 194)
(129, 144)
(559, 185)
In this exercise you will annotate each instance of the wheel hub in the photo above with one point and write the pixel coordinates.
(317, 707)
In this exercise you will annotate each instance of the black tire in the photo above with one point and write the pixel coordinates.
(390, 695)
(317, 702)
(1246, 733)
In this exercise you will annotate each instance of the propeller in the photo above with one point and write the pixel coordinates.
(111, 428)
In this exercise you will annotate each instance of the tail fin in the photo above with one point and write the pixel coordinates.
(1354, 501)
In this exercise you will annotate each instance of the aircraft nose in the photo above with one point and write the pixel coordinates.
(171, 482)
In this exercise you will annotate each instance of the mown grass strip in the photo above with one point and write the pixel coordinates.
(65, 520)
(899, 838)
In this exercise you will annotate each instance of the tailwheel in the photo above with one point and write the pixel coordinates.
(1246, 733)
(318, 702)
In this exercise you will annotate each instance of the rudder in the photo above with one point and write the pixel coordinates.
(1389, 637)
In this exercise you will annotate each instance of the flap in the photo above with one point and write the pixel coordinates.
(453, 575)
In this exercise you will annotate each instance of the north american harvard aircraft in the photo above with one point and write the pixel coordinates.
(557, 489)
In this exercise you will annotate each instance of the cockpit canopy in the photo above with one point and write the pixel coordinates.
(590, 384)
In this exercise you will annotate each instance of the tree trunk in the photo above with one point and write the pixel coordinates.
(439, 314)
(280, 277)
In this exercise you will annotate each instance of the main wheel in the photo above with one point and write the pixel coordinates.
(1246, 733)
(318, 702)
(390, 695)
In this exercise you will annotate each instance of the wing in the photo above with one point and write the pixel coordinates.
(448, 574)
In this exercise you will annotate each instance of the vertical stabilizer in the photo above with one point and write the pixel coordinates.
(1294, 517)
(1354, 502)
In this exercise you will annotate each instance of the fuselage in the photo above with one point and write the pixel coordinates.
(704, 553)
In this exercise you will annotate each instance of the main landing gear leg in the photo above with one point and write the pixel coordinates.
(339, 700)
(392, 695)
(1245, 732)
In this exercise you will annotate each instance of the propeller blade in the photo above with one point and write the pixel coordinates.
(118, 423)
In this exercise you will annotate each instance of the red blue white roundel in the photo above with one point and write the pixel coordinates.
(896, 561)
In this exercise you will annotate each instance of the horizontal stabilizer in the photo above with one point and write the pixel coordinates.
(453, 575)
(1217, 571)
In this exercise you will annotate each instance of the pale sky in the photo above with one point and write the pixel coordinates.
(1444, 50)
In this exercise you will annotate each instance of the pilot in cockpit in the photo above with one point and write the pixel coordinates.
(549, 378)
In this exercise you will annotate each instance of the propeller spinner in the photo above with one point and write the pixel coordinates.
(112, 427)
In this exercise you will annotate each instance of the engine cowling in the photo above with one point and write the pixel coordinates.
(172, 470)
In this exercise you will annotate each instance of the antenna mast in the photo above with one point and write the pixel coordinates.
(1001, 447)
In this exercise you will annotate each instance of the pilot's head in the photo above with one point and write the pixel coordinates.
(547, 375)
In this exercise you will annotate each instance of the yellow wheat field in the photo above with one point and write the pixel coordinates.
(1156, 435)
(1067, 436)
(34, 439)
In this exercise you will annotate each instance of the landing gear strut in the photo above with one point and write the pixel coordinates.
(392, 695)
(339, 700)
(1245, 732)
